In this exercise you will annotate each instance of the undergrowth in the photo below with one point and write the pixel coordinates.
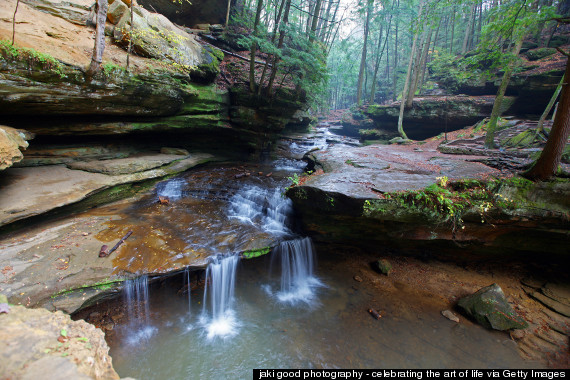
(447, 201)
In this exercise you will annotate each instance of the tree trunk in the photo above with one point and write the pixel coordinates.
(452, 32)
(394, 70)
(549, 159)
(418, 76)
(315, 21)
(369, 6)
(277, 22)
(496, 112)
(549, 106)
(130, 48)
(99, 47)
(423, 64)
(254, 47)
(417, 53)
(282, 28)
(228, 12)
(381, 53)
(467, 32)
(14, 22)
(407, 83)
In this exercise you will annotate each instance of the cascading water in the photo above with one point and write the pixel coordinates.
(297, 260)
(136, 296)
(264, 207)
(219, 297)
(171, 189)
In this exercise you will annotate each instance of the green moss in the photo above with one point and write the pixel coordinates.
(444, 202)
(256, 253)
(536, 54)
(33, 59)
(101, 285)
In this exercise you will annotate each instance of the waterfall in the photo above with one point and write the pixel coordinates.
(266, 208)
(298, 282)
(171, 189)
(219, 297)
(136, 296)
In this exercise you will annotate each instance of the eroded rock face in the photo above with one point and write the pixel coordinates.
(31, 349)
(430, 116)
(11, 142)
(358, 198)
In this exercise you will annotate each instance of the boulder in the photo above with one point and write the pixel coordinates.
(37, 342)
(383, 266)
(154, 36)
(490, 308)
(11, 140)
(116, 11)
(536, 54)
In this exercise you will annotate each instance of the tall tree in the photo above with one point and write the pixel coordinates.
(497, 105)
(408, 76)
(282, 32)
(99, 47)
(547, 164)
(254, 47)
(369, 6)
(315, 21)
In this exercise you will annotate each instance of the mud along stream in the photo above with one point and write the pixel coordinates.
(296, 306)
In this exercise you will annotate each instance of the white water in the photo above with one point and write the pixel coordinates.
(171, 189)
(265, 208)
(298, 281)
(218, 316)
(136, 296)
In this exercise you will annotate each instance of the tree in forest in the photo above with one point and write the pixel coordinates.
(369, 6)
(513, 20)
(254, 47)
(547, 164)
(408, 76)
(99, 48)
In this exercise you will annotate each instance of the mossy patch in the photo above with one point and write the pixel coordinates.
(256, 252)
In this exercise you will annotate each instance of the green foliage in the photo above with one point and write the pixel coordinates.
(31, 57)
(111, 69)
(256, 252)
(449, 201)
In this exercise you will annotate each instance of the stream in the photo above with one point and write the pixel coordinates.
(296, 307)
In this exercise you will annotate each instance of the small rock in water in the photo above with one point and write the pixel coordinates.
(449, 315)
(357, 278)
(383, 266)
